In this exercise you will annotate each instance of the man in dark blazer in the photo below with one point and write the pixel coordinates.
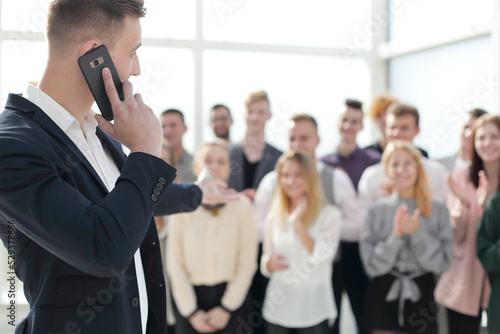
(84, 246)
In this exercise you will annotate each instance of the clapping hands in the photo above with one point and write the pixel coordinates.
(404, 223)
(484, 190)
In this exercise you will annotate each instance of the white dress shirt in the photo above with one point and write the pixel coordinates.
(344, 195)
(102, 162)
(369, 188)
(301, 295)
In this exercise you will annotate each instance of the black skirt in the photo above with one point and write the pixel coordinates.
(209, 297)
(419, 317)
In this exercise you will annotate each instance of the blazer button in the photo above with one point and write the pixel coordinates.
(154, 198)
(157, 192)
(135, 302)
(161, 180)
(159, 186)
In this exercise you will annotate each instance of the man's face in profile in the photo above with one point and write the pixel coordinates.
(124, 49)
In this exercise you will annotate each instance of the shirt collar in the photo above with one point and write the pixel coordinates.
(57, 113)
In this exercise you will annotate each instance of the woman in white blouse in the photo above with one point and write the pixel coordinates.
(300, 241)
(212, 255)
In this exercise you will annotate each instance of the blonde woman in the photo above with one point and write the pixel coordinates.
(300, 241)
(212, 255)
(405, 239)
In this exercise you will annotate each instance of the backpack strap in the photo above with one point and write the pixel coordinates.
(327, 181)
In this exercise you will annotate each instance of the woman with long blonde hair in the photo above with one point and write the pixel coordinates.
(300, 242)
(406, 239)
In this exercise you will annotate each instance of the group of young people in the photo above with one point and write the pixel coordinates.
(272, 252)
(411, 247)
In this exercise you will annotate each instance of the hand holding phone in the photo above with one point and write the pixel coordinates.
(91, 65)
(135, 125)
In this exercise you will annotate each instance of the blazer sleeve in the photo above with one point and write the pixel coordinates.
(488, 235)
(97, 238)
(180, 197)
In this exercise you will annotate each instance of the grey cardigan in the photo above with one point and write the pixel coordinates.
(430, 249)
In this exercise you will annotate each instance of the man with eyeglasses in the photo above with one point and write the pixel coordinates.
(221, 121)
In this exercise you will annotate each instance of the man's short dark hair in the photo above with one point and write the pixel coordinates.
(174, 111)
(217, 106)
(477, 112)
(304, 117)
(401, 109)
(71, 21)
(355, 104)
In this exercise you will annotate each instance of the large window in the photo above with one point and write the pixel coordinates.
(444, 67)
(465, 81)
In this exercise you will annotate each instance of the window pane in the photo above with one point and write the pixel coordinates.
(422, 20)
(444, 83)
(170, 19)
(20, 63)
(27, 16)
(167, 81)
(321, 23)
(295, 83)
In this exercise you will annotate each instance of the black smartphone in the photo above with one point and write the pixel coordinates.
(91, 65)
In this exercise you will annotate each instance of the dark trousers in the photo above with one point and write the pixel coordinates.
(349, 276)
(209, 297)
(321, 328)
(459, 323)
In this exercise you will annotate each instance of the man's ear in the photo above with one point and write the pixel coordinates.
(88, 46)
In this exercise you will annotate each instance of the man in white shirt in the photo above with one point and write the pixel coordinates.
(401, 123)
(303, 135)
